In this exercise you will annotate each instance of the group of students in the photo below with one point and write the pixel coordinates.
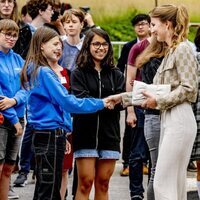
(41, 85)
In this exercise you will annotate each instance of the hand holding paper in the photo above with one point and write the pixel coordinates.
(149, 102)
(143, 92)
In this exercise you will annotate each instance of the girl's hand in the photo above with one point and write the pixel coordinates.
(131, 118)
(112, 100)
(19, 129)
(68, 147)
(6, 102)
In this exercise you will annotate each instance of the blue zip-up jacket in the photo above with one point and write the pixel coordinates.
(50, 104)
(10, 68)
(9, 113)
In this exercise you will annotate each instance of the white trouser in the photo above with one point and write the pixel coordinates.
(178, 131)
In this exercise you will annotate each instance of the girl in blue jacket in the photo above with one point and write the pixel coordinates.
(12, 102)
(50, 106)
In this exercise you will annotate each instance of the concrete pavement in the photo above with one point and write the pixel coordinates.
(119, 186)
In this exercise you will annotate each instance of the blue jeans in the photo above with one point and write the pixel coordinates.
(126, 143)
(26, 153)
(49, 148)
(138, 155)
(152, 135)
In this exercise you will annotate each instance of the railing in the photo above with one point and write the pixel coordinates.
(195, 24)
(119, 46)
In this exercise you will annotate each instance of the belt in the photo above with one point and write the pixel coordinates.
(57, 131)
(152, 112)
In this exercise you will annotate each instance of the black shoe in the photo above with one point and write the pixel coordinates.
(191, 167)
(21, 180)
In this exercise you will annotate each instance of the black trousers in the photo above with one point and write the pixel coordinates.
(49, 148)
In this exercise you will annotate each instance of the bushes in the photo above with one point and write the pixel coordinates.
(119, 27)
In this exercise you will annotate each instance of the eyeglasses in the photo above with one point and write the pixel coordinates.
(9, 36)
(141, 24)
(97, 45)
(50, 10)
(4, 1)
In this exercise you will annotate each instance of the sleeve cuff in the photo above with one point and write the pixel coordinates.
(14, 120)
(17, 100)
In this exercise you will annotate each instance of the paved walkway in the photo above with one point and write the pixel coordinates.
(118, 185)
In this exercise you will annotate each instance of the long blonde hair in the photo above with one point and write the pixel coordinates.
(178, 16)
(154, 50)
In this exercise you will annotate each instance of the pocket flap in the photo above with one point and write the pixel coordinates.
(165, 66)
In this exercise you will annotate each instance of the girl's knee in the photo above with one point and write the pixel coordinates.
(7, 170)
(102, 185)
(85, 185)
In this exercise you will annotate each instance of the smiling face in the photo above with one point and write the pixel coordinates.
(52, 50)
(98, 48)
(162, 30)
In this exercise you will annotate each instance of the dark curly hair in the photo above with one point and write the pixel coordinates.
(34, 6)
(84, 58)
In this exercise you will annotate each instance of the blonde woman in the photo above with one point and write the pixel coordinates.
(178, 126)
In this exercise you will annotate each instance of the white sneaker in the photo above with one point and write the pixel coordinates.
(12, 194)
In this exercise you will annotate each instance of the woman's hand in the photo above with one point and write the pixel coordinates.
(111, 101)
(150, 101)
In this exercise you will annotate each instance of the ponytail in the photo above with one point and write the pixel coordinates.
(178, 16)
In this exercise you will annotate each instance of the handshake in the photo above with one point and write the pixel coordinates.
(142, 95)
(111, 101)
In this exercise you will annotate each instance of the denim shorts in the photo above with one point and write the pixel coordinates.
(9, 142)
(101, 154)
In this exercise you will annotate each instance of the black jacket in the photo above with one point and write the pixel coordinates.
(149, 70)
(122, 61)
(99, 130)
(22, 45)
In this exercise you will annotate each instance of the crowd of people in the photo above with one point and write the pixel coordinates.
(61, 96)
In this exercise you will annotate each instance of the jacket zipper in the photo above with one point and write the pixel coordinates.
(97, 131)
